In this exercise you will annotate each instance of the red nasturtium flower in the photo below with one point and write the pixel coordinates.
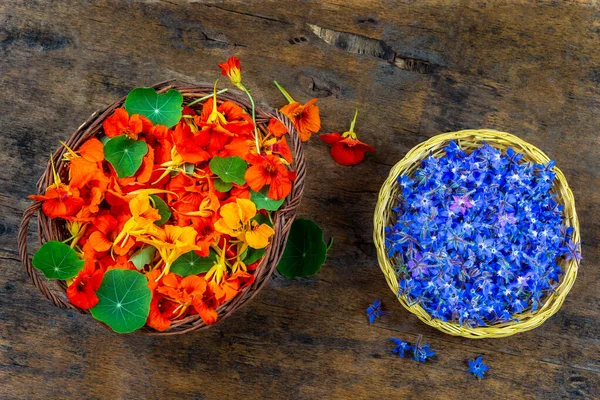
(305, 117)
(82, 292)
(232, 70)
(346, 149)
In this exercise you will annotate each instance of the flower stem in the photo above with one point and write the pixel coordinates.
(284, 92)
(205, 98)
(253, 117)
(353, 121)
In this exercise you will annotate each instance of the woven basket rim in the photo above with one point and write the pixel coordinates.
(470, 139)
(51, 229)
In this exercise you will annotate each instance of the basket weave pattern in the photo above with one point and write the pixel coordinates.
(49, 229)
(469, 140)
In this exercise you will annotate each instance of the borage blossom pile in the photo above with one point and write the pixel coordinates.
(180, 196)
(478, 236)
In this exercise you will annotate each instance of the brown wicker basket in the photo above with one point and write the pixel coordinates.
(55, 230)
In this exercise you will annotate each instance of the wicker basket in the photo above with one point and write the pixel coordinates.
(53, 229)
(469, 140)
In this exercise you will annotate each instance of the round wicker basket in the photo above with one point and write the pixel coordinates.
(469, 140)
(53, 229)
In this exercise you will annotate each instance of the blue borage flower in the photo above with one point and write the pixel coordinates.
(401, 347)
(477, 236)
(420, 352)
(375, 310)
(477, 367)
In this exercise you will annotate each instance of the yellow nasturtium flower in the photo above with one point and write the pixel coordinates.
(236, 221)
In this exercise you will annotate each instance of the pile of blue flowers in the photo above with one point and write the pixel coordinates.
(477, 236)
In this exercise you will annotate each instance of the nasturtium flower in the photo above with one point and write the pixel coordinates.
(121, 123)
(232, 70)
(171, 242)
(270, 170)
(346, 149)
(82, 291)
(304, 116)
(236, 221)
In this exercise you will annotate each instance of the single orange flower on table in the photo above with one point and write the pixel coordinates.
(346, 149)
(305, 117)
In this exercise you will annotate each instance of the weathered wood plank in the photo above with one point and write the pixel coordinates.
(414, 70)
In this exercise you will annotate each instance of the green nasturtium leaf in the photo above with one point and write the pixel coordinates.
(125, 155)
(262, 219)
(229, 169)
(192, 264)
(221, 186)
(305, 251)
(161, 109)
(189, 168)
(143, 257)
(253, 255)
(263, 201)
(124, 300)
(163, 210)
(57, 260)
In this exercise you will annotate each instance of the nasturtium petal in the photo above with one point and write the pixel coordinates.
(263, 201)
(221, 186)
(125, 155)
(229, 169)
(163, 210)
(143, 257)
(57, 260)
(161, 109)
(305, 251)
(192, 264)
(124, 300)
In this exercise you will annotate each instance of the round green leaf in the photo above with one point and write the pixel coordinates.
(163, 210)
(229, 169)
(191, 264)
(263, 201)
(221, 186)
(124, 300)
(143, 257)
(253, 255)
(57, 260)
(305, 251)
(161, 109)
(125, 155)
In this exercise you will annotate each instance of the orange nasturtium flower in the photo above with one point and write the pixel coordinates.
(269, 170)
(236, 221)
(59, 200)
(305, 117)
(346, 149)
(232, 70)
(120, 123)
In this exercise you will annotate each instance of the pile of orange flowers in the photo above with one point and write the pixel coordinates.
(184, 216)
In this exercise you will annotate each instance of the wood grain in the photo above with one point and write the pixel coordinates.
(413, 70)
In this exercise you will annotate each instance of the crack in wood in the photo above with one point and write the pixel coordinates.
(359, 44)
(248, 14)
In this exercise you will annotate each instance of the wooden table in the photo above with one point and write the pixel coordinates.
(414, 69)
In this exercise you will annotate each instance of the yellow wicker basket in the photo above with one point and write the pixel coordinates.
(470, 140)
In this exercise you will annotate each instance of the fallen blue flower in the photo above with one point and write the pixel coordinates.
(401, 347)
(375, 310)
(477, 367)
